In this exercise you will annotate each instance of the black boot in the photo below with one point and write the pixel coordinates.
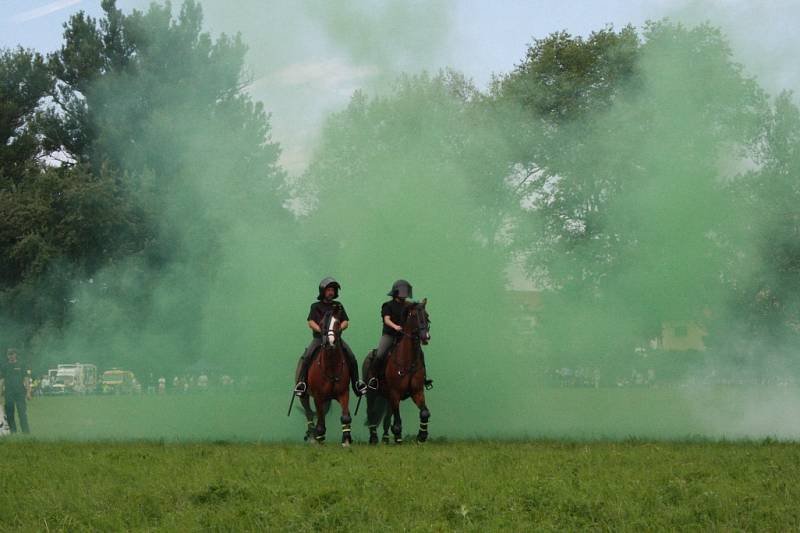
(300, 388)
(369, 371)
(359, 387)
(378, 369)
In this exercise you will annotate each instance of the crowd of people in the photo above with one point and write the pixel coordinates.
(188, 383)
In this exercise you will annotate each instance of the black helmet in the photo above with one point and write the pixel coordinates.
(402, 289)
(328, 282)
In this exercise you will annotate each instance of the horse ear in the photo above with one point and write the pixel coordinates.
(424, 302)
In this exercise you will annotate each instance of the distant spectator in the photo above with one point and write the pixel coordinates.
(17, 390)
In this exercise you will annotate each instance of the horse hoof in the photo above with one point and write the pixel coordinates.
(345, 444)
(385, 439)
(422, 437)
(373, 441)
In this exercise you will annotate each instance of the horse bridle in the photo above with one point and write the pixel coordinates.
(415, 337)
(329, 330)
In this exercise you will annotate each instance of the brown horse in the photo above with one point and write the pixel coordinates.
(403, 377)
(328, 379)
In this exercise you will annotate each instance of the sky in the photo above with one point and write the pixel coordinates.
(305, 62)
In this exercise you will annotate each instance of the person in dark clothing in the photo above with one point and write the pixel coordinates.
(16, 390)
(392, 318)
(328, 292)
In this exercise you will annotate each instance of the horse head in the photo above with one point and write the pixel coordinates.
(419, 320)
(331, 327)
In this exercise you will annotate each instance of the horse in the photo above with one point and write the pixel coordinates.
(403, 377)
(328, 379)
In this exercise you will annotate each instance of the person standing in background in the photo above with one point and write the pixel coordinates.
(16, 390)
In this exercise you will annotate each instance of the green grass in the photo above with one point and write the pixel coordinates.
(439, 486)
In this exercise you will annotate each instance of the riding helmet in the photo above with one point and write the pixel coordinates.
(328, 282)
(401, 289)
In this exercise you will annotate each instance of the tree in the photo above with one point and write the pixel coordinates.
(763, 276)
(625, 199)
(24, 81)
(158, 158)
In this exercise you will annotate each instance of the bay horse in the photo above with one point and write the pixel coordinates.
(403, 377)
(328, 379)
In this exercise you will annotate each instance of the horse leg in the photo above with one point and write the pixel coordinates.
(397, 426)
(346, 419)
(309, 417)
(424, 415)
(387, 421)
(319, 433)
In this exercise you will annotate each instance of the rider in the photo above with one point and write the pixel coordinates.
(392, 316)
(328, 292)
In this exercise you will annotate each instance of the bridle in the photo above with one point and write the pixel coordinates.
(422, 326)
(331, 342)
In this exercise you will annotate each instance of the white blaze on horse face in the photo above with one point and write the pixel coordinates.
(331, 333)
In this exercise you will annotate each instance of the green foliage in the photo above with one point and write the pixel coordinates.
(24, 80)
(564, 77)
(764, 282)
(624, 179)
(155, 141)
(68, 215)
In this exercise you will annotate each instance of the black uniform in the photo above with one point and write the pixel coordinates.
(15, 394)
(394, 310)
(318, 310)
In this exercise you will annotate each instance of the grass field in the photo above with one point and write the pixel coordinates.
(439, 486)
(535, 413)
(568, 459)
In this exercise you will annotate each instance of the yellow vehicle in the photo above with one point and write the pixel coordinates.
(116, 381)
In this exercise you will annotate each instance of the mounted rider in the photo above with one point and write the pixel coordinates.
(326, 302)
(392, 316)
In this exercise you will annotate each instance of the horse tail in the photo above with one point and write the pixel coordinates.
(377, 407)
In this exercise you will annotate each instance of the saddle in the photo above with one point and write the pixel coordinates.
(378, 367)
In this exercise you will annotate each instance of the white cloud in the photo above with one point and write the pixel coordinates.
(44, 10)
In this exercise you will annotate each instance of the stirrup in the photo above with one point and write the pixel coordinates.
(300, 388)
(372, 384)
(428, 384)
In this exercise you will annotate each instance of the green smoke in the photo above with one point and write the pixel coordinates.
(628, 172)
